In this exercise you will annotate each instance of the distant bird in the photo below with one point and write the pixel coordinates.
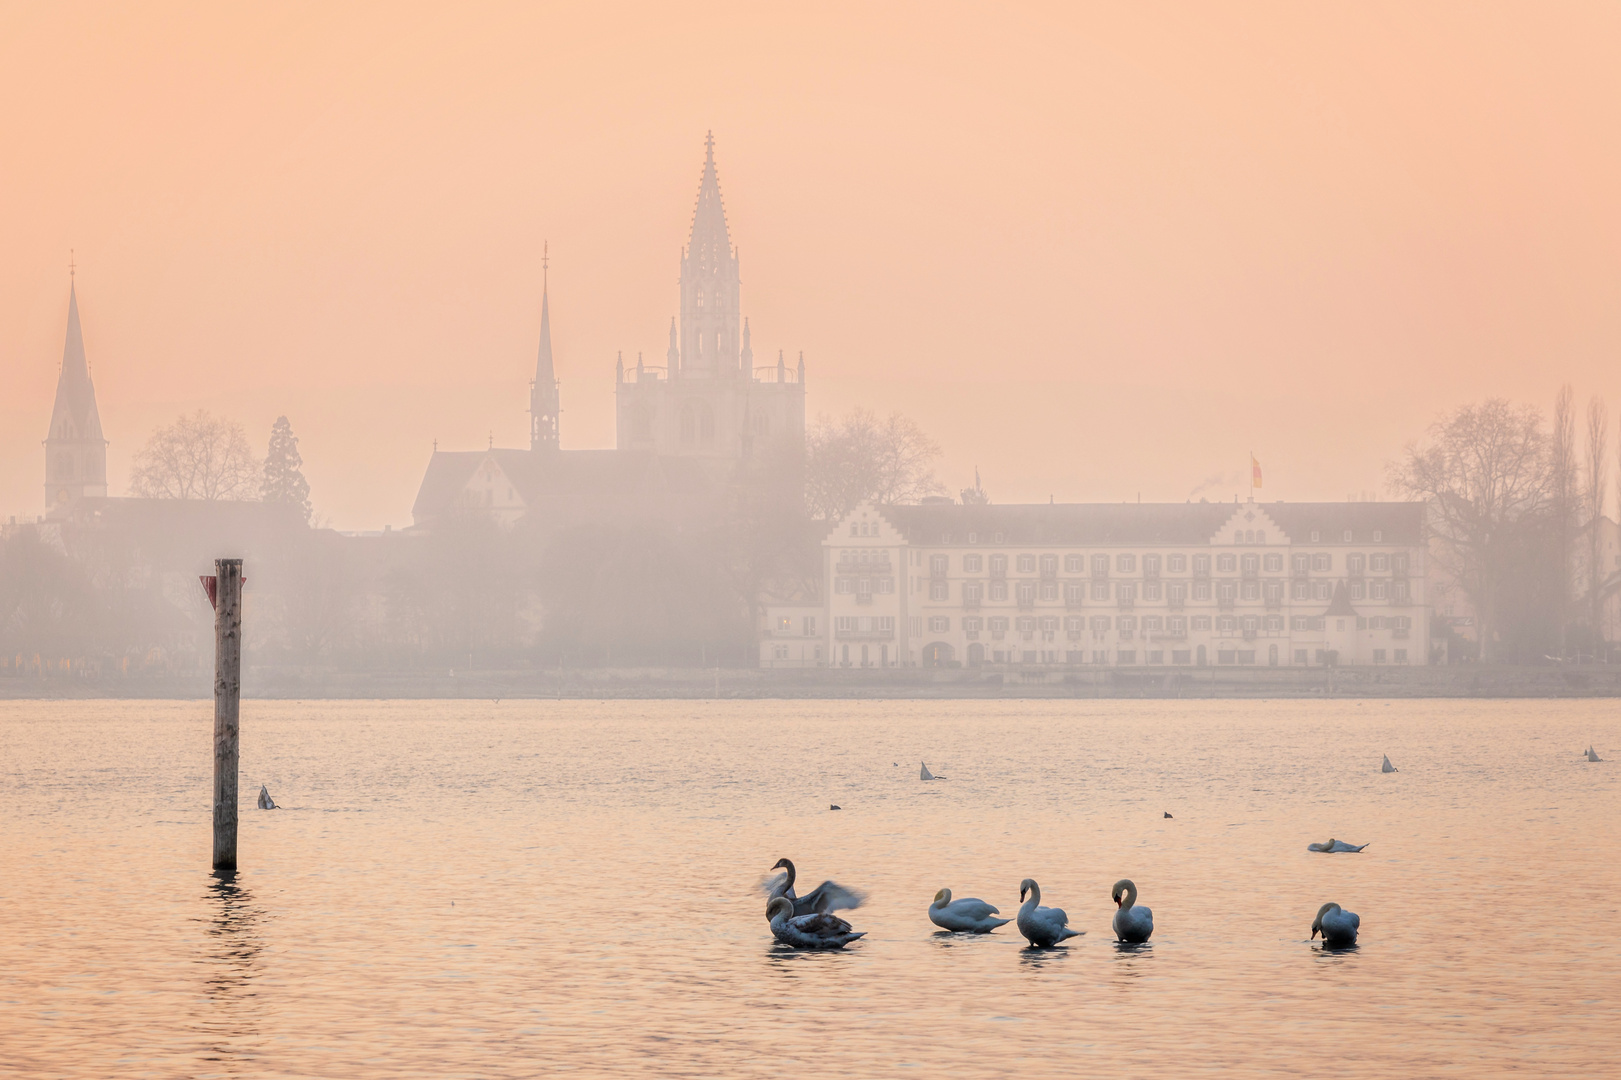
(265, 801)
(835, 806)
(1335, 847)
(815, 931)
(925, 774)
(1167, 813)
(828, 896)
(1337, 926)
(1132, 924)
(1592, 756)
(1387, 766)
(968, 915)
(897, 764)
(1042, 926)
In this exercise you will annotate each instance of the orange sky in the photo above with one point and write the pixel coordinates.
(1097, 251)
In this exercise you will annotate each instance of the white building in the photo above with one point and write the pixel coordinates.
(1130, 584)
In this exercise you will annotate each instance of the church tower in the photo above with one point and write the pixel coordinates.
(711, 321)
(543, 392)
(75, 451)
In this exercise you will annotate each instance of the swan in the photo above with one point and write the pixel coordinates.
(816, 931)
(1131, 923)
(828, 896)
(1042, 925)
(265, 801)
(1387, 766)
(968, 914)
(1334, 847)
(1337, 926)
(1592, 756)
(925, 774)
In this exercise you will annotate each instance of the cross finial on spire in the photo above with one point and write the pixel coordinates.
(545, 260)
(709, 145)
(72, 266)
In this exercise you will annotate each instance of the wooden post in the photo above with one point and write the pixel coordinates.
(227, 706)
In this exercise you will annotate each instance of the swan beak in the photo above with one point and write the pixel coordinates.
(1021, 894)
(1117, 901)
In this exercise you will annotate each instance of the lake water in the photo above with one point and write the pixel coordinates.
(549, 888)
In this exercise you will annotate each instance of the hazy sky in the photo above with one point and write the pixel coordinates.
(1097, 251)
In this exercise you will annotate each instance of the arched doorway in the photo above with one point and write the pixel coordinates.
(976, 654)
(937, 654)
(1272, 655)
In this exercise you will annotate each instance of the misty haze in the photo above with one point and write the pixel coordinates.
(810, 462)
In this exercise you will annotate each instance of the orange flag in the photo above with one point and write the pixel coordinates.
(1255, 471)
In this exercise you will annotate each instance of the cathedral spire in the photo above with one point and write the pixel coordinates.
(543, 392)
(711, 320)
(75, 449)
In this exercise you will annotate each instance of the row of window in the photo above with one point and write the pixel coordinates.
(785, 625)
(863, 586)
(1154, 624)
(1101, 657)
(1153, 564)
(864, 624)
(1240, 536)
(1027, 592)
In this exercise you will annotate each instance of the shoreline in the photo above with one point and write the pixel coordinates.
(282, 683)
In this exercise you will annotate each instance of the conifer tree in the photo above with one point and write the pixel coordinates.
(284, 477)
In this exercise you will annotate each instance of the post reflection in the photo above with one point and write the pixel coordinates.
(231, 961)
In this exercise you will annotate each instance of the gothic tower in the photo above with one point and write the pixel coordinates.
(710, 285)
(543, 392)
(75, 451)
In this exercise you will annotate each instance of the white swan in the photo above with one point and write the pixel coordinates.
(1387, 766)
(1337, 926)
(265, 801)
(967, 915)
(828, 896)
(1592, 756)
(1334, 847)
(1042, 925)
(925, 774)
(1131, 923)
(816, 931)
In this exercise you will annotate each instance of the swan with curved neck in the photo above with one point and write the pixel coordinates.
(1337, 926)
(816, 931)
(1334, 846)
(968, 915)
(1132, 924)
(1041, 926)
(828, 896)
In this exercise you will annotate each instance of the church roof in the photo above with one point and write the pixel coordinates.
(1341, 604)
(74, 416)
(710, 246)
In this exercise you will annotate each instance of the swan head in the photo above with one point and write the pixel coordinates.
(1124, 889)
(1317, 923)
(782, 864)
(780, 908)
(941, 898)
(1026, 886)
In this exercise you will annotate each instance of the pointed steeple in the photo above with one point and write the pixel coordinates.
(75, 449)
(544, 404)
(802, 369)
(711, 322)
(782, 371)
(748, 353)
(673, 357)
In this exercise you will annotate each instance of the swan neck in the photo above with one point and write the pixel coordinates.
(1130, 898)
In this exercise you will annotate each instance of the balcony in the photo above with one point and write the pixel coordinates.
(868, 568)
(1250, 635)
(970, 603)
(1225, 603)
(1027, 603)
(864, 598)
(1073, 603)
(1126, 603)
(1400, 635)
(864, 635)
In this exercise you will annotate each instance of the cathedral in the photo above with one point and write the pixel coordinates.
(75, 451)
(683, 428)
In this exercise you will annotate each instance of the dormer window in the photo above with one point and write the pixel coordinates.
(1378, 536)
(1316, 536)
(1347, 536)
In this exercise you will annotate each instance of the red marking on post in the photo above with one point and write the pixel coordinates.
(210, 583)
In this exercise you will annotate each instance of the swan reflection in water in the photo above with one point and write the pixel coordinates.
(231, 963)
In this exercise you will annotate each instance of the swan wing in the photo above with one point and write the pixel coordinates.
(972, 907)
(829, 896)
(776, 886)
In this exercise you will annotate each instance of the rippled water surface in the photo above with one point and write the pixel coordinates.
(544, 888)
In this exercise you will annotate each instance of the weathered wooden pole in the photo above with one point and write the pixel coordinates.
(227, 706)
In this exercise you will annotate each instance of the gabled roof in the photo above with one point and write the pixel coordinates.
(1341, 604)
(1396, 522)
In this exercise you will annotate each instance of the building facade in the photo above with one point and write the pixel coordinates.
(1116, 585)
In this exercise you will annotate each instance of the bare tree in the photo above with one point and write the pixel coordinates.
(1564, 497)
(863, 458)
(1485, 473)
(1593, 492)
(197, 457)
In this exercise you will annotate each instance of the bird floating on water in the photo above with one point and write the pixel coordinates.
(1337, 926)
(1132, 924)
(1167, 813)
(835, 806)
(925, 774)
(1387, 766)
(968, 915)
(828, 896)
(1042, 926)
(1334, 847)
(1592, 756)
(265, 801)
(818, 930)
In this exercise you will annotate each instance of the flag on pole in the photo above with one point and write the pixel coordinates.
(1255, 471)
